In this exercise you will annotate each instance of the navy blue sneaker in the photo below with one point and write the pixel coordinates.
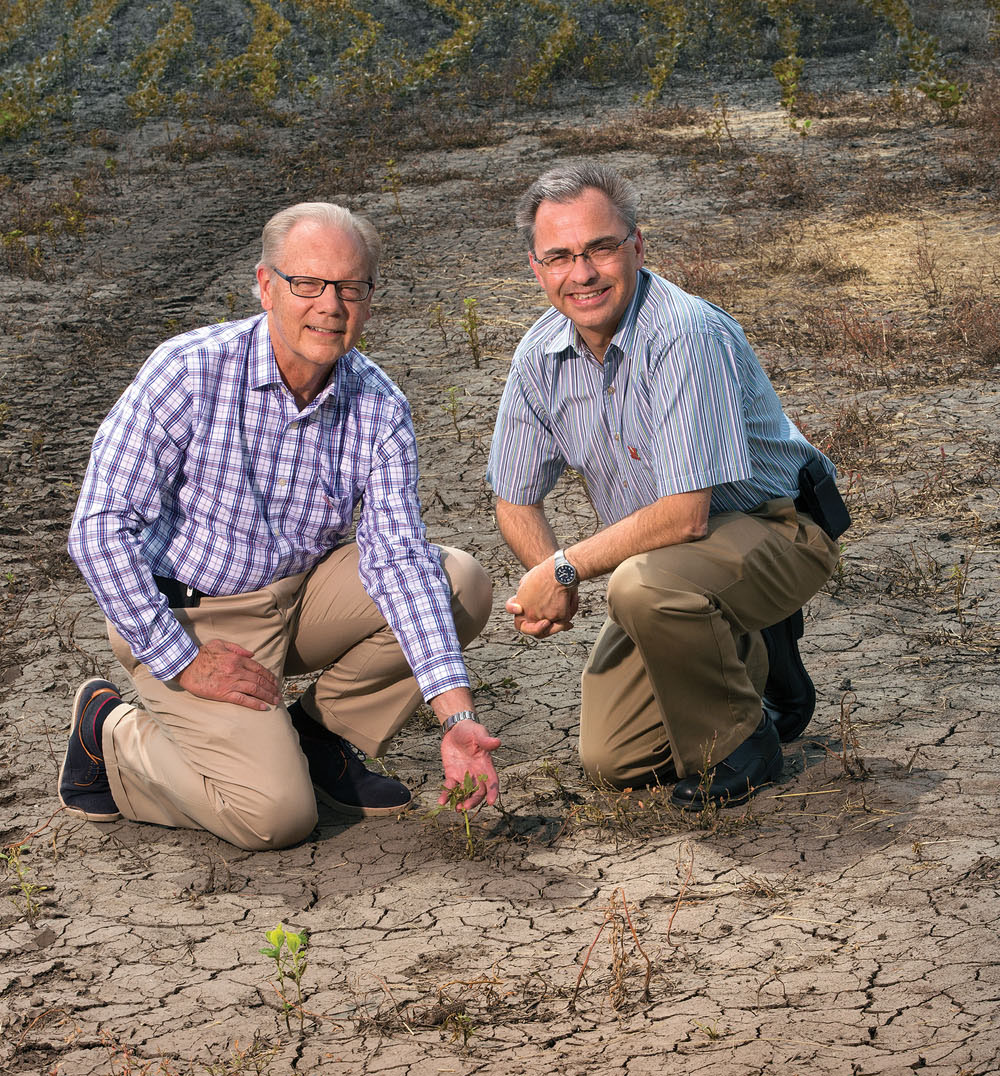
(83, 779)
(339, 775)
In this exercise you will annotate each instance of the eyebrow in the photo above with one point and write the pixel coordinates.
(591, 243)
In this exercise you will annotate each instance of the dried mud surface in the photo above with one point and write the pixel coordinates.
(846, 922)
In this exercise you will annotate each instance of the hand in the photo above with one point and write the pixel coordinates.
(226, 672)
(467, 749)
(542, 606)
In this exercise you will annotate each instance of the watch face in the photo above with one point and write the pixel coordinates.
(566, 574)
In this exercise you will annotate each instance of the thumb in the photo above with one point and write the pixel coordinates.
(514, 606)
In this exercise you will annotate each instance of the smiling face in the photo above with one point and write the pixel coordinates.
(594, 299)
(309, 335)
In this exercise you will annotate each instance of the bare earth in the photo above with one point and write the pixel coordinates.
(845, 922)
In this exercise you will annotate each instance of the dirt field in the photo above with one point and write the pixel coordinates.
(846, 921)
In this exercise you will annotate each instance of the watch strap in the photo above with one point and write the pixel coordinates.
(450, 722)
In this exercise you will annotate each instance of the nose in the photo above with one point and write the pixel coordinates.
(583, 272)
(330, 301)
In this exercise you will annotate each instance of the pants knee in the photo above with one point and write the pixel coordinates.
(634, 601)
(472, 592)
(601, 767)
(276, 821)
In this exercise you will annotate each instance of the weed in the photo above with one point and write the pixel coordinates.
(255, 1058)
(720, 125)
(850, 761)
(461, 1025)
(554, 51)
(150, 66)
(788, 70)
(456, 795)
(471, 325)
(666, 29)
(616, 917)
(288, 951)
(921, 52)
(710, 1030)
(260, 66)
(439, 322)
(393, 184)
(22, 891)
(450, 407)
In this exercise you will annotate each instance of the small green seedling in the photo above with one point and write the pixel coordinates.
(450, 407)
(22, 892)
(471, 323)
(459, 794)
(288, 951)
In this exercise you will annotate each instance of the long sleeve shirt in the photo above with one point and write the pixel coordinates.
(206, 471)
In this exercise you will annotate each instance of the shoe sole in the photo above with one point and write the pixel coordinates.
(91, 816)
(352, 810)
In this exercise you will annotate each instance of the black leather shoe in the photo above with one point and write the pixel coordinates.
(755, 763)
(789, 695)
(340, 778)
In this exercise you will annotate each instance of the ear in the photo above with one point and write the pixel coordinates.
(640, 248)
(264, 284)
(535, 270)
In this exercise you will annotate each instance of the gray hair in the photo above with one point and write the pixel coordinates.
(566, 183)
(327, 214)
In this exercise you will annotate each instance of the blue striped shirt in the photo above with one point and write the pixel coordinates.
(680, 403)
(206, 471)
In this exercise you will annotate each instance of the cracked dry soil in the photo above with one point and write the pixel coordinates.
(845, 922)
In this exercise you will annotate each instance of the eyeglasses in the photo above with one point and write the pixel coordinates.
(599, 254)
(312, 287)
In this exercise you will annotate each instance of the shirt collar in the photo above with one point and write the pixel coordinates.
(564, 336)
(263, 368)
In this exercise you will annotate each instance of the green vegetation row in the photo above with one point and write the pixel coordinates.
(176, 56)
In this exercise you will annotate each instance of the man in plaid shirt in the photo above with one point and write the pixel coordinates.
(211, 528)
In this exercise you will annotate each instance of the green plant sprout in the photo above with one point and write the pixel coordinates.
(393, 184)
(462, 1026)
(456, 795)
(288, 951)
(451, 408)
(22, 892)
(471, 323)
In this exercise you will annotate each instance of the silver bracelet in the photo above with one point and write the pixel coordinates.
(451, 722)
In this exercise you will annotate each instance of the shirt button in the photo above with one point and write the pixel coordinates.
(617, 438)
(282, 482)
(611, 391)
(293, 425)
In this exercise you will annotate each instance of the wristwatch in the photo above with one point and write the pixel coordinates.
(565, 572)
(462, 715)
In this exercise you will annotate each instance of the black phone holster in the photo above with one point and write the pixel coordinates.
(820, 498)
(178, 594)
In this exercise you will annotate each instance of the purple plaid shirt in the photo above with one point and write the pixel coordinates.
(206, 471)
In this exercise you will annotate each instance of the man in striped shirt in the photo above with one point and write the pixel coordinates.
(657, 399)
(212, 527)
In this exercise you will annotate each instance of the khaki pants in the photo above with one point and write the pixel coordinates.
(676, 675)
(181, 760)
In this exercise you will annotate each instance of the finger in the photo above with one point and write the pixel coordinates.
(248, 701)
(513, 606)
(449, 784)
(235, 648)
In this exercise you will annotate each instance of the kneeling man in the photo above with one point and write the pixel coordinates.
(211, 528)
(711, 540)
